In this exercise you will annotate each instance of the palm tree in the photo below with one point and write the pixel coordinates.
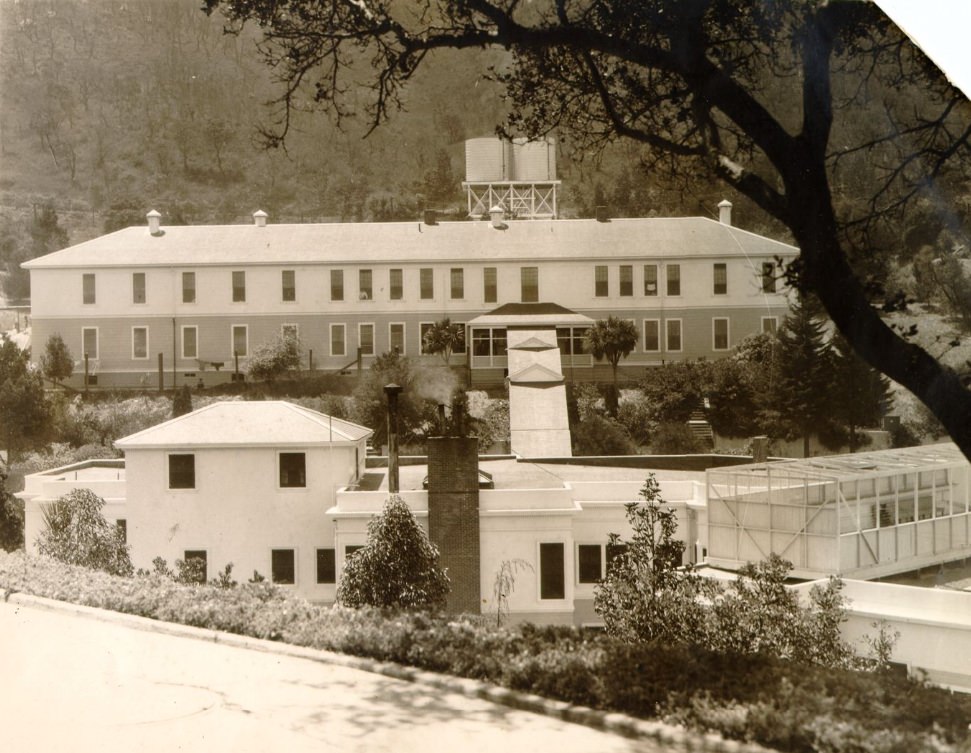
(612, 338)
(443, 338)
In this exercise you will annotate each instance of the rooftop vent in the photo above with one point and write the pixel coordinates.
(725, 212)
(431, 217)
(602, 214)
(496, 216)
(259, 218)
(154, 222)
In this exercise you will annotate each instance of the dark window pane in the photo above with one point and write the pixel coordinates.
(239, 287)
(427, 284)
(337, 284)
(138, 287)
(182, 471)
(283, 570)
(289, 285)
(626, 280)
(396, 285)
(589, 555)
(349, 550)
(457, 276)
(721, 280)
(293, 469)
(552, 583)
(364, 283)
(188, 287)
(490, 288)
(674, 279)
(196, 561)
(88, 294)
(650, 279)
(600, 281)
(326, 566)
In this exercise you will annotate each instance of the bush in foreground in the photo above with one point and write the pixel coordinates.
(790, 706)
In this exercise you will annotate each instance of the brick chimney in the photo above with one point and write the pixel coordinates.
(453, 516)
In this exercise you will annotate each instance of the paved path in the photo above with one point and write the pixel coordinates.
(69, 683)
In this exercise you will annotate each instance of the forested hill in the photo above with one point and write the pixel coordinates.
(111, 107)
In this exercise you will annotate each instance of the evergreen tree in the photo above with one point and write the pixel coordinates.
(397, 568)
(78, 534)
(11, 517)
(612, 338)
(443, 338)
(801, 398)
(860, 395)
(25, 416)
(182, 402)
(57, 362)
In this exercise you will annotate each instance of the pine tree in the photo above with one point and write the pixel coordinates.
(57, 362)
(182, 402)
(860, 394)
(803, 383)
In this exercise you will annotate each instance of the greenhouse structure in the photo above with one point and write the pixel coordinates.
(865, 515)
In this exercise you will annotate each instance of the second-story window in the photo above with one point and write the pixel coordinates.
(529, 281)
(87, 288)
(293, 470)
(239, 287)
(674, 279)
(626, 280)
(396, 285)
(188, 287)
(600, 287)
(337, 284)
(490, 292)
(768, 277)
(138, 287)
(427, 283)
(720, 286)
(289, 284)
(650, 279)
(365, 289)
(457, 277)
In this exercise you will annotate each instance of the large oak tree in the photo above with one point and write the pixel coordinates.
(757, 94)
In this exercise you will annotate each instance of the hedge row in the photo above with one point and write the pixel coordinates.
(753, 698)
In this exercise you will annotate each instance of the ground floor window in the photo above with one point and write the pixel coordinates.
(552, 583)
(489, 347)
(197, 563)
(283, 566)
(326, 566)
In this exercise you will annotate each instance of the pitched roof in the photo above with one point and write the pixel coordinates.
(533, 343)
(401, 242)
(247, 423)
(530, 316)
(536, 374)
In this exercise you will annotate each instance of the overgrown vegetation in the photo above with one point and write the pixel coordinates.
(787, 705)
(77, 533)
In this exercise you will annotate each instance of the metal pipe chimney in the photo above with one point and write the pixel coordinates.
(392, 391)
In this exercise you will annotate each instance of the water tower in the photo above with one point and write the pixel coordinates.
(517, 175)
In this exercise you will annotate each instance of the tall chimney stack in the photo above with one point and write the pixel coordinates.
(725, 212)
(154, 222)
(392, 391)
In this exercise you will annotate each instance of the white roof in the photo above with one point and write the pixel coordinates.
(242, 423)
(404, 242)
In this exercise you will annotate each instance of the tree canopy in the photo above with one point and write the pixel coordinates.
(442, 338)
(758, 95)
(78, 534)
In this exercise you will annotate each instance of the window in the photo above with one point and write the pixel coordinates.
(457, 276)
(182, 471)
(139, 342)
(552, 584)
(397, 285)
(283, 567)
(571, 340)
(423, 329)
(188, 287)
(121, 525)
(239, 287)
(770, 324)
(489, 347)
(490, 291)
(720, 284)
(198, 559)
(529, 282)
(337, 346)
(674, 279)
(427, 283)
(289, 284)
(190, 345)
(326, 566)
(768, 277)
(350, 549)
(337, 284)
(365, 339)
(600, 286)
(589, 563)
(293, 470)
(652, 335)
(674, 334)
(87, 285)
(89, 342)
(396, 337)
(240, 340)
(626, 280)
(650, 279)
(138, 287)
(459, 348)
(719, 328)
(365, 288)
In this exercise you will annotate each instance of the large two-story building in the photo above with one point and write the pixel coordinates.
(188, 303)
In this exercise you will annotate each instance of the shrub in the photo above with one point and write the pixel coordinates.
(182, 401)
(78, 534)
(398, 567)
(275, 358)
(601, 436)
(676, 439)
(11, 517)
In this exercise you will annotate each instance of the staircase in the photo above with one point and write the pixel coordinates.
(700, 427)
